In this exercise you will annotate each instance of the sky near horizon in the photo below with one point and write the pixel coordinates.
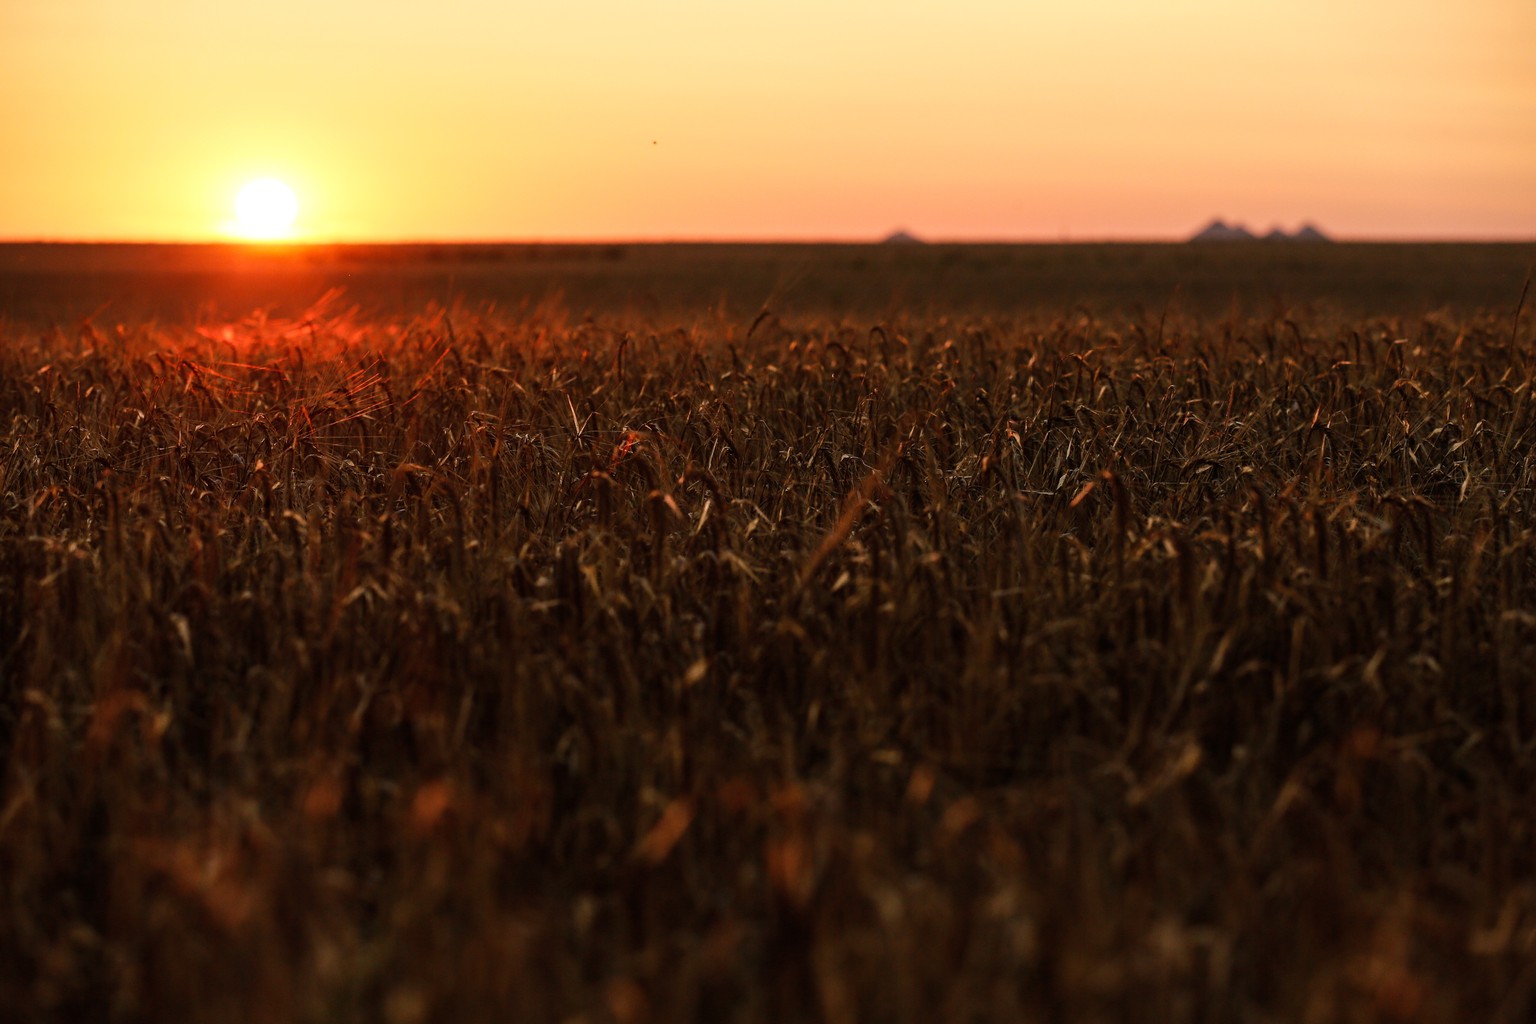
(838, 119)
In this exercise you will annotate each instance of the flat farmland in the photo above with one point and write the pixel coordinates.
(768, 633)
(55, 283)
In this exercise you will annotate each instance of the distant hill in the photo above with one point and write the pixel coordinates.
(1220, 231)
(901, 238)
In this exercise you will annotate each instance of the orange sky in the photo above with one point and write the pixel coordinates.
(488, 119)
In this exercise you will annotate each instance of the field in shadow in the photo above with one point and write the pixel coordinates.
(969, 659)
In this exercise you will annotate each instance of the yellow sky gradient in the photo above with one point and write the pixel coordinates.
(840, 119)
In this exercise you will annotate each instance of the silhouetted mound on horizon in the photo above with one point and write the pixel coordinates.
(901, 237)
(1219, 230)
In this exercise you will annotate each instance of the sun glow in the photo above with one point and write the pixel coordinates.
(265, 210)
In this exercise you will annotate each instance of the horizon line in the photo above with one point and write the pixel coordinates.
(917, 241)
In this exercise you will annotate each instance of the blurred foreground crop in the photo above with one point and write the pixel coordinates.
(1063, 667)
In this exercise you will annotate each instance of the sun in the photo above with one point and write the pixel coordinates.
(264, 210)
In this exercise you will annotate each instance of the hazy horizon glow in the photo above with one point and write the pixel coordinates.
(977, 119)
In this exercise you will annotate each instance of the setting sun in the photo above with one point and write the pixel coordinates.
(264, 210)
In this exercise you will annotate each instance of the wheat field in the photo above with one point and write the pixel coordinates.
(616, 653)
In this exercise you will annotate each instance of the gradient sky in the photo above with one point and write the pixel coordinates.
(966, 119)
